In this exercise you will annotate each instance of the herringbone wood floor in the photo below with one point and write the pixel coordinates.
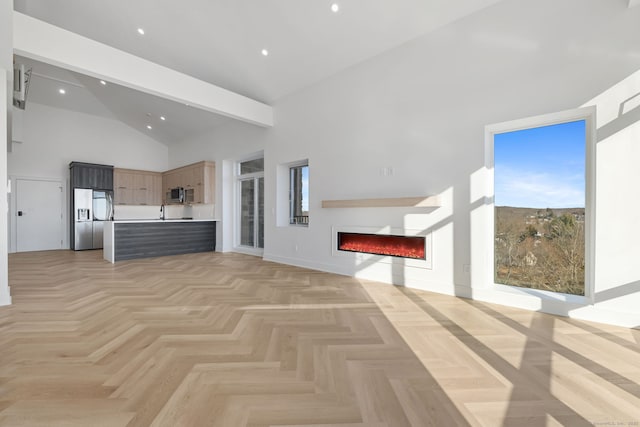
(231, 340)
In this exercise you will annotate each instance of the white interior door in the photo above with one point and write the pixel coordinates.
(38, 215)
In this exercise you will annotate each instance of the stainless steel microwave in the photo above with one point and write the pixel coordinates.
(176, 195)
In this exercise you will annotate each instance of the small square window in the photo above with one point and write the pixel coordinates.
(299, 195)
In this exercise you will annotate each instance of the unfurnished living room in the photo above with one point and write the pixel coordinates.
(320, 213)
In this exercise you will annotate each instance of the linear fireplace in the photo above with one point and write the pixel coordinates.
(383, 244)
(403, 247)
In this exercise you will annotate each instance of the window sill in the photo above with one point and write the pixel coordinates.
(544, 295)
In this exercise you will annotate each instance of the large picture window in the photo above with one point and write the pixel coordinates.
(542, 206)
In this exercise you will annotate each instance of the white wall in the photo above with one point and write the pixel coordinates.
(52, 138)
(6, 57)
(618, 204)
(6, 79)
(421, 110)
(617, 218)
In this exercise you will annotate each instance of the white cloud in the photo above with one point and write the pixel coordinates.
(538, 190)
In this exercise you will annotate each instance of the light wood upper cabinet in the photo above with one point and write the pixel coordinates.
(169, 181)
(136, 187)
(156, 189)
(198, 177)
(208, 183)
(123, 187)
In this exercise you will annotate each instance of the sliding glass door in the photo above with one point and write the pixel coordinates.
(251, 204)
(252, 212)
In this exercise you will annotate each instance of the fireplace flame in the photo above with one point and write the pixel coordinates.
(380, 244)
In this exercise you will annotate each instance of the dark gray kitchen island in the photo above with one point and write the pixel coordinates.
(131, 239)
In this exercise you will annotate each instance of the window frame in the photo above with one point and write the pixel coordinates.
(486, 274)
(249, 174)
(291, 167)
(238, 178)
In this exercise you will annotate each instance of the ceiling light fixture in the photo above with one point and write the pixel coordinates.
(141, 31)
(335, 8)
(265, 52)
(62, 91)
(162, 118)
(103, 83)
(149, 127)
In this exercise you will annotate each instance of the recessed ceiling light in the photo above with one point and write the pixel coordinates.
(141, 31)
(62, 91)
(162, 118)
(103, 83)
(335, 7)
(265, 52)
(149, 127)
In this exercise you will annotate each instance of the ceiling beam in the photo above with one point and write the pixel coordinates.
(44, 42)
(634, 3)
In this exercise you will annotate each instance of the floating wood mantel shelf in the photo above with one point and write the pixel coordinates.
(409, 202)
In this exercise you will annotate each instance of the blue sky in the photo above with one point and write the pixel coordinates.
(541, 167)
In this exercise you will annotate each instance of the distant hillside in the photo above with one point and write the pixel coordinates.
(540, 248)
(512, 212)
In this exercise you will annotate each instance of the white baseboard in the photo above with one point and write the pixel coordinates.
(327, 268)
(5, 298)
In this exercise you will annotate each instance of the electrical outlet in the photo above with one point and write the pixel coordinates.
(386, 171)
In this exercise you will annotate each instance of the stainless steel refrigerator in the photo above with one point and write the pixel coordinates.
(91, 209)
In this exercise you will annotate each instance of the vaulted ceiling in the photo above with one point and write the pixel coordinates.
(221, 42)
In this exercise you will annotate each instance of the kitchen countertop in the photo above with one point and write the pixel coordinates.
(124, 221)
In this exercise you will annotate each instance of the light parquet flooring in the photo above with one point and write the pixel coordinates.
(231, 340)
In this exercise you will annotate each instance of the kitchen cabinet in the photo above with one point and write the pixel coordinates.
(202, 180)
(156, 189)
(123, 183)
(198, 177)
(91, 176)
(136, 187)
(170, 180)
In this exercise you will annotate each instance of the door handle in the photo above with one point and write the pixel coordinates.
(20, 213)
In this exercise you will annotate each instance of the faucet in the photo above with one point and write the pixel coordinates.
(162, 209)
